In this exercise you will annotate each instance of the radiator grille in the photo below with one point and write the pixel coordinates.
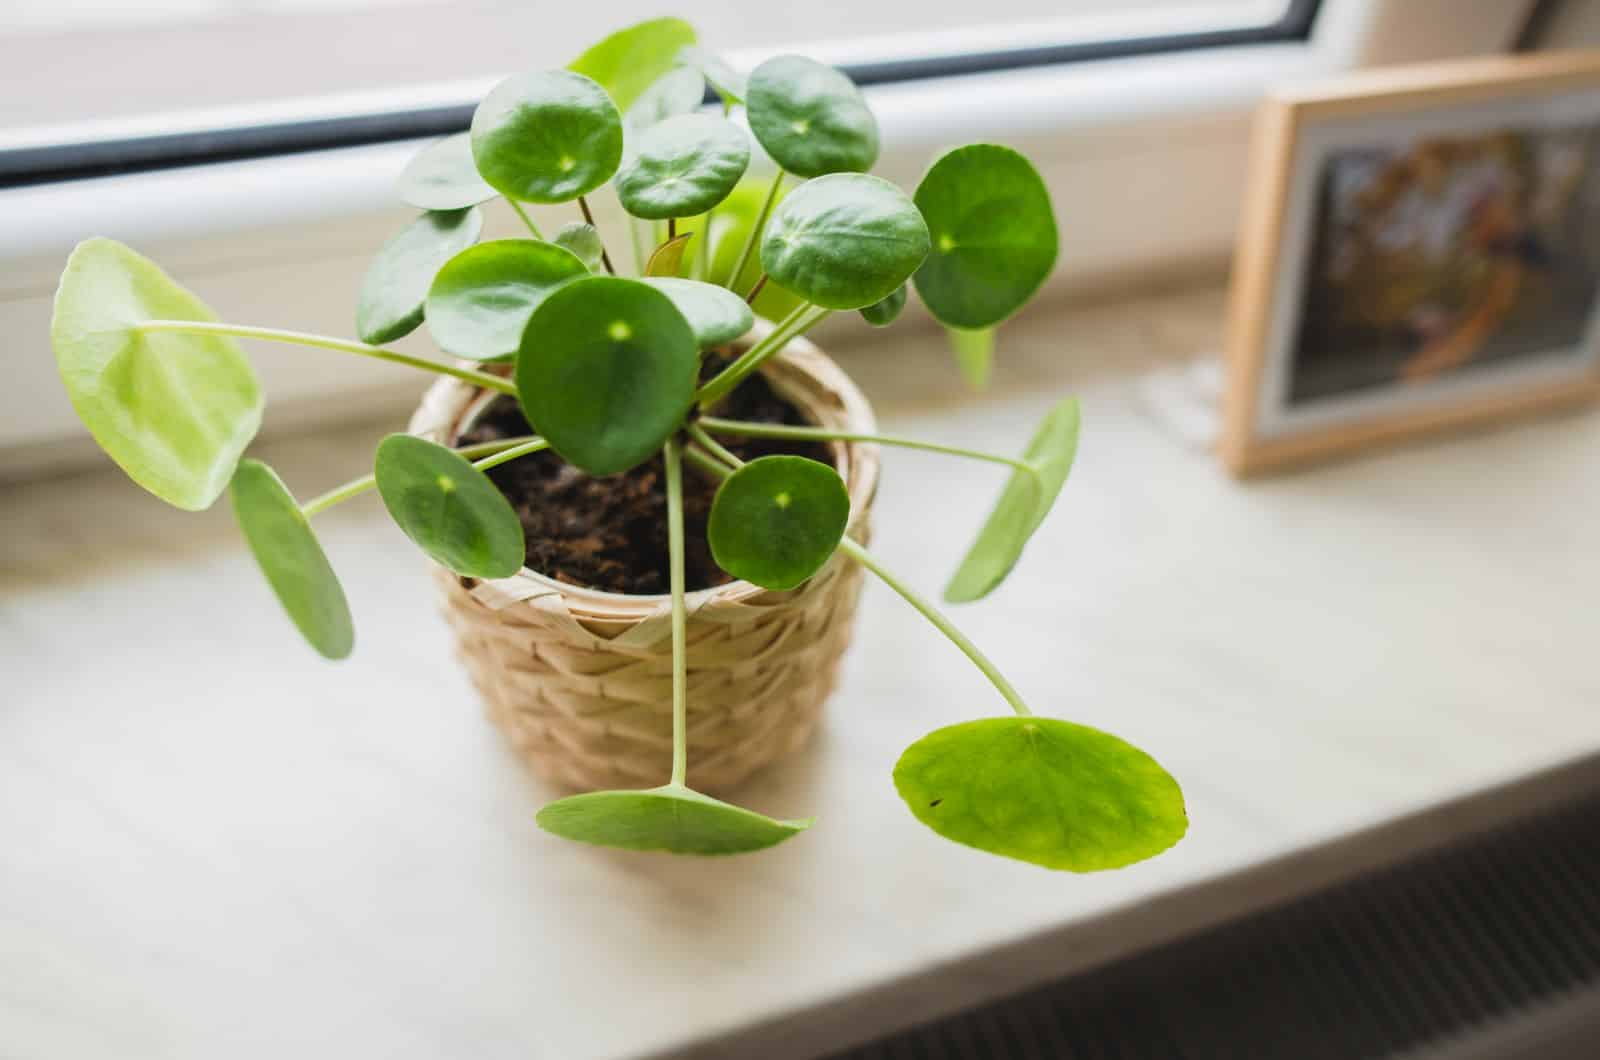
(1427, 952)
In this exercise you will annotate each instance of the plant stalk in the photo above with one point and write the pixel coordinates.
(755, 289)
(823, 434)
(908, 594)
(605, 259)
(672, 459)
(517, 206)
(801, 318)
(505, 456)
(356, 487)
(755, 230)
(300, 338)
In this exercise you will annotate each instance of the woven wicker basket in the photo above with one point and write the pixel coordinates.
(580, 681)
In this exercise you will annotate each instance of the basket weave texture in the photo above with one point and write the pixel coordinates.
(580, 681)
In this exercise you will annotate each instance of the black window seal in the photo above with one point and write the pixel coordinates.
(58, 163)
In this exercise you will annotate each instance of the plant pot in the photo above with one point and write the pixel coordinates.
(580, 681)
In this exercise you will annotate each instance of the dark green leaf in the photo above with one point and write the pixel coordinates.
(994, 235)
(680, 90)
(481, 300)
(607, 372)
(716, 315)
(173, 410)
(882, 314)
(777, 520)
(1023, 505)
(630, 60)
(397, 281)
(683, 166)
(547, 137)
(443, 176)
(844, 241)
(672, 819)
(667, 259)
(1041, 790)
(728, 83)
(811, 118)
(583, 242)
(290, 556)
(449, 508)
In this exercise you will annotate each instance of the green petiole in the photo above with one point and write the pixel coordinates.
(505, 449)
(720, 466)
(800, 319)
(822, 434)
(754, 234)
(300, 338)
(522, 213)
(672, 459)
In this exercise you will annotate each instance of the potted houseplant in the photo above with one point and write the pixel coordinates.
(636, 492)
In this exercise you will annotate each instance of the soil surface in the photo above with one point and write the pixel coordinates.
(611, 533)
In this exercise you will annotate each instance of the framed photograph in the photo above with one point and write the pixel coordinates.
(1420, 250)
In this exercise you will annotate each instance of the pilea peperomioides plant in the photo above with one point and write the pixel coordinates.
(608, 371)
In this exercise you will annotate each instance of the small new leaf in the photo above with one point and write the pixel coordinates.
(667, 259)
(583, 242)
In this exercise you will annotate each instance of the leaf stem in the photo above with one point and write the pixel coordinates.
(802, 317)
(356, 487)
(941, 623)
(823, 434)
(517, 206)
(908, 594)
(750, 299)
(505, 456)
(672, 459)
(300, 338)
(672, 229)
(605, 259)
(711, 445)
(755, 230)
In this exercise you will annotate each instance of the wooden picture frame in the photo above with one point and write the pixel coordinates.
(1294, 392)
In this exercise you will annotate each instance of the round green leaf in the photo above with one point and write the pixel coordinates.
(670, 818)
(1023, 505)
(811, 118)
(776, 520)
(583, 242)
(173, 410)
(715, 314)
(547, 137)
(449, 508)
(443, 176)
(632, 59)
(607, 372)
(397, 281)
(292, 559)
(882, 314)
(728, 83)
(844, 241)
(680, 90)
(1041, 790)
(683, 166)
(994, 235)
(481, 300)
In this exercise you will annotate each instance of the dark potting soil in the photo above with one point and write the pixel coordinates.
(611, 533)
